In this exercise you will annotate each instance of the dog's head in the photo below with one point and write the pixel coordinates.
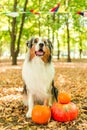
(40, 47)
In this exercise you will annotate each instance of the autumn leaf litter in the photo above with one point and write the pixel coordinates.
(70, 77)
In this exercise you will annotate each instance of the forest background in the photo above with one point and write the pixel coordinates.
(65, 28)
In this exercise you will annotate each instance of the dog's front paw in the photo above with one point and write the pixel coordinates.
(29, 114)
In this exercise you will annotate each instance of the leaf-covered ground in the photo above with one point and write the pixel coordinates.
(70, 77)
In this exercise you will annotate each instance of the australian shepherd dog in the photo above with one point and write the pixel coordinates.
(38, 74)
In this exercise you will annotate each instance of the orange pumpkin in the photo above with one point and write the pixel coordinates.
(41, 114)
(64, 98)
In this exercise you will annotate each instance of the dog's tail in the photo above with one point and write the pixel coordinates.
(54, 91)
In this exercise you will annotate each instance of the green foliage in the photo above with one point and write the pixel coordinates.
(45, 21)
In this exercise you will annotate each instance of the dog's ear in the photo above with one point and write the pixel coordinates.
(51, 49)
(29, 43)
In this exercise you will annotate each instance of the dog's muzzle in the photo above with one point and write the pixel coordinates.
(40, 52)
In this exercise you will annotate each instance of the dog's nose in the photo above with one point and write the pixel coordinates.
(41, 45)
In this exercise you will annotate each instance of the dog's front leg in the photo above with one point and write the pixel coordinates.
(30, 105)
(46, 102)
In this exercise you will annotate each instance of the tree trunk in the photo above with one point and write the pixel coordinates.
(39, 20)
(48, 27)
(14, 58)
(21, 27)
(68, 41)
(80, 53)
(53, 28)
(14, 50)
(13, 35)
(39, 27)
(58, 45)
(80, 48)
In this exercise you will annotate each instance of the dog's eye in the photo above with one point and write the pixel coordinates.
(45, 42)
(36, 40)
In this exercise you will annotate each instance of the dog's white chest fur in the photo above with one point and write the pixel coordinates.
(38, 77)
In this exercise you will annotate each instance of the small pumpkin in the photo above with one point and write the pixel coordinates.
(64, 98)
(64, 112)
(41, 114)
